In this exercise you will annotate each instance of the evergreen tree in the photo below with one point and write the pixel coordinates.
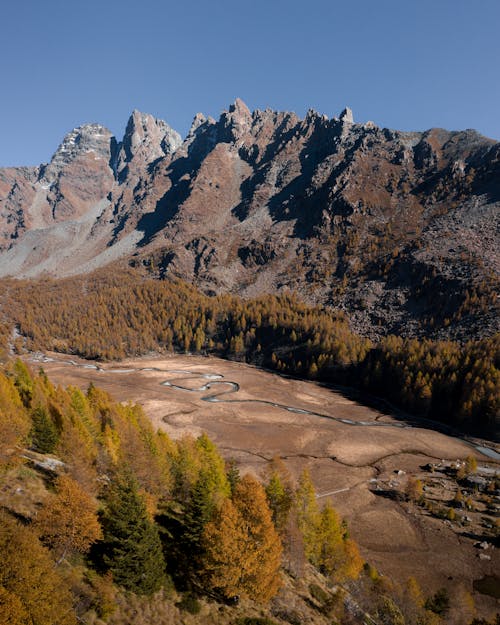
(131, 548)
(184, 521)
(279, 494)
(44, 433)
(197, 513)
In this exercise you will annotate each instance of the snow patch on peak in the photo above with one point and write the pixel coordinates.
(79, 141)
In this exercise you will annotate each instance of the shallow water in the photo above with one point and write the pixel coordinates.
(216, 379)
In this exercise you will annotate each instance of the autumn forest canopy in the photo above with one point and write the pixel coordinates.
(112, 315)
(105, 521)
(119, 508)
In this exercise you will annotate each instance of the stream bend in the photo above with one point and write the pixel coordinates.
(213, 381)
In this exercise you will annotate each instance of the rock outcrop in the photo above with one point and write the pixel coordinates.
(398, 229)
(146, 140)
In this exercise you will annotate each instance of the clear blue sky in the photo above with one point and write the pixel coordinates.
(406, 64)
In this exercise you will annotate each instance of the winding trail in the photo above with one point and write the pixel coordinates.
(215, 380)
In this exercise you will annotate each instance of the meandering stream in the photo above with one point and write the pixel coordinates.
(216, 380)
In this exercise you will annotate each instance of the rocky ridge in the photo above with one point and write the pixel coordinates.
(398, 229)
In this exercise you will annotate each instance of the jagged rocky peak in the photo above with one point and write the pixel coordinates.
(199, 122)
(236, 121)
(146, 139)
(201, 138)
(87, 139)
(346, 116)
(239, 109)
(313, 118)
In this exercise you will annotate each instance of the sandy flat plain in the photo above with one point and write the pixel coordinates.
(345, 460)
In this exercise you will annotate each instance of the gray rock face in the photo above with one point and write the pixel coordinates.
(90, 139)
(346, 116)
(399, 230)
(146, 140)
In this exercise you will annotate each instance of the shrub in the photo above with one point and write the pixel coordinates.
(189, 603)
(439, 603)
(318, 593)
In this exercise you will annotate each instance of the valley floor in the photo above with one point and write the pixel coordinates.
(359, 457)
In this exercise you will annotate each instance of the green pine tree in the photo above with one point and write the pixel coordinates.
(24, 382)
(131, 548)
(182, 522)
(280, 499)
(233, 475)
(198, 512)
(44, 433)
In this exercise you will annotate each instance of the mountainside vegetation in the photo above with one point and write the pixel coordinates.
(317, 248)
(123, 525)
(112, 315)
(397, 229)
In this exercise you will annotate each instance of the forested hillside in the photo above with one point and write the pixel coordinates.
(104, 520)
(112, 315)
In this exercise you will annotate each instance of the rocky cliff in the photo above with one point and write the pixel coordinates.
(399, 229)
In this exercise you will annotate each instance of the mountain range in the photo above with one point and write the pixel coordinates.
(398, 229)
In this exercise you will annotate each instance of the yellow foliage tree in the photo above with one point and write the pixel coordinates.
(68, 522)
(333, 553)
(414, 489)
(326, 544)
(12, 609)
(308, 514)
(30, 584)
(14, 420)
(243, 549)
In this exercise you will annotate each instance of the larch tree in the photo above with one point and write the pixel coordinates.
(242, 547)
(12, 609)
(31, 590)
(326, 543)
(308, 514)
(279, 494)
(23, 381)
(14, 420)
(328, 553)
(68, 522)
(414, 489)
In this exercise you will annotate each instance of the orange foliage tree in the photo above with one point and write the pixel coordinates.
(68, 522)
(243, 549)
(31, 590)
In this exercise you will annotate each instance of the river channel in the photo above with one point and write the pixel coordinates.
(217, 390)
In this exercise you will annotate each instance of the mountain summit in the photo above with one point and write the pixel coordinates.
(398, 229)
